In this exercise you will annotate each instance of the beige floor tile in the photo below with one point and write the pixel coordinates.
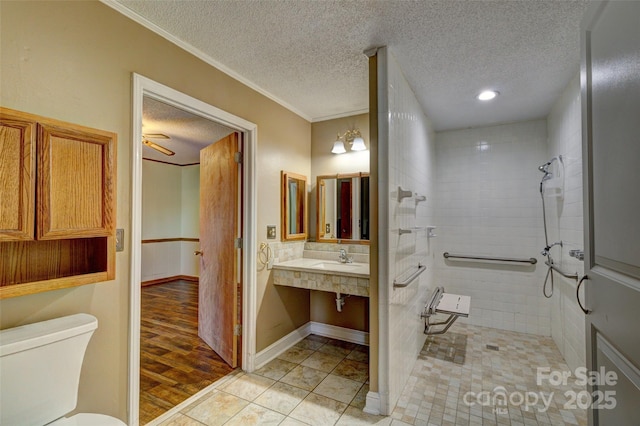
(337, 347)
(312, 342)
(217, 409)
(355, 417)
(354, 370)
(396, 422)
(360, 399)
(181, 420)
(458, 362)
(276, 369)
(304, 377)
(338, 388)
(317, 338)
(360, 354)
(282, 397)
(318, 410)
(249, 386)
(295, 354)
(254, 414)
(322, 361)
(292, 422)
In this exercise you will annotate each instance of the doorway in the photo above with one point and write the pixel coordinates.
(145, 88)
(187, 341)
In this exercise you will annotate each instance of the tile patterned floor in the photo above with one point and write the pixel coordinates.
(324, 382)
(458, 380)
(319, 381)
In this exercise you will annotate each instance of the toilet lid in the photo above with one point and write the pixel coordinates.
(88, 419)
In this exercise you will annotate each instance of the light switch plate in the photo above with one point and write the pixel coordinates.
(271, 232)
(119, 239)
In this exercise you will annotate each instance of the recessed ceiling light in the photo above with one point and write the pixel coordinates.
(487, 95)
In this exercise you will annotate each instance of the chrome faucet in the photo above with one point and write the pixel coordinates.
(344, 257)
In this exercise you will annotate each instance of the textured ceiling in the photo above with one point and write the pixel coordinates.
(308, 54)
(188, 133)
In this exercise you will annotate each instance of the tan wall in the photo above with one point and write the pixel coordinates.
(73, 61)
(323, 162)
(354, 315)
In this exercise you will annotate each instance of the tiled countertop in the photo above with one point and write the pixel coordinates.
(323, 275)
(325, 267)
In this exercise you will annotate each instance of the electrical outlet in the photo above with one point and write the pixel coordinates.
(327, 228)
(119, 239)
(271, 232)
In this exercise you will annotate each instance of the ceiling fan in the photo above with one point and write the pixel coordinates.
(159, 148)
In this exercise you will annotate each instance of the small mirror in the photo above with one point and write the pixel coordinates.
(343, 207)
(294, 206)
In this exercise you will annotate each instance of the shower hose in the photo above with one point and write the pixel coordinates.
(546, 242)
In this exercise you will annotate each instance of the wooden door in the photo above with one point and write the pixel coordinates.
(17, 174)
(218, 312)
(345, 219)
(611, 125)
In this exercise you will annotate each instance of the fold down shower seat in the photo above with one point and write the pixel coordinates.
(444, 303)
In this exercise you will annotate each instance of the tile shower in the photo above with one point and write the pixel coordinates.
(482, 190)
(487, 203)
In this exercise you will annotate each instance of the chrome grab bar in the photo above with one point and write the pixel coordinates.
(410, 278)
(531, 260)
(561, 272)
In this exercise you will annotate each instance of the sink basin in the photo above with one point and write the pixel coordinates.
(332, 266)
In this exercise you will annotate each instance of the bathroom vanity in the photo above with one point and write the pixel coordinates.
(323, 275)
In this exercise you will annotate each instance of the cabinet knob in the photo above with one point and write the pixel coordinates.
(197, 253)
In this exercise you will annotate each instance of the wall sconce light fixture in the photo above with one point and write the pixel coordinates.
(353, 138)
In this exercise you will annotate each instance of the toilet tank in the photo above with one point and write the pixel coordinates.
(40, 367)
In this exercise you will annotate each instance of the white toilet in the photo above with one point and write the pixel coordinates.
(40, 372)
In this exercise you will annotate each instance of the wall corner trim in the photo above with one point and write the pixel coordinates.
(373, 404)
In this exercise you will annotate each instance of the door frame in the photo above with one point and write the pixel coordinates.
(143, 86)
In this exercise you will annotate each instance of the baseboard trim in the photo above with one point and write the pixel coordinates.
(169, 279)
(333, 332)
(372, 405)
(273, 350)
(340, 333)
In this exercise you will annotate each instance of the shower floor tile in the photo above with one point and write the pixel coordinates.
(485, 376)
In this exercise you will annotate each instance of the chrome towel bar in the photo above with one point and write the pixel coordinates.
(561, 272)
(405, 282)
(531, 260)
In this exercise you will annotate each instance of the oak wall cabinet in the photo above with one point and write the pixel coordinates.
(57, 204)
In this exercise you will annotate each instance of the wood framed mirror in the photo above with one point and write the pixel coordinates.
(294, 206)
(343, 208)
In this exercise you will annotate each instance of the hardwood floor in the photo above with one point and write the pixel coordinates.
(174, 362)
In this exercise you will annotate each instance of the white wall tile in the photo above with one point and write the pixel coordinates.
(565, 138)
(409, 149)
(487, 203)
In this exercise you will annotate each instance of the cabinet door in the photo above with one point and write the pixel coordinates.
(17, 177)
(76, 179)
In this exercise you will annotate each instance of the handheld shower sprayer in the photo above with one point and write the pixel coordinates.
(545, 169)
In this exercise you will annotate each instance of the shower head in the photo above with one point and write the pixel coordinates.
(545, 167)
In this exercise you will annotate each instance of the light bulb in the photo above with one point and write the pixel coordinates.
(358, 145)
(487, 95)
(338, 148)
